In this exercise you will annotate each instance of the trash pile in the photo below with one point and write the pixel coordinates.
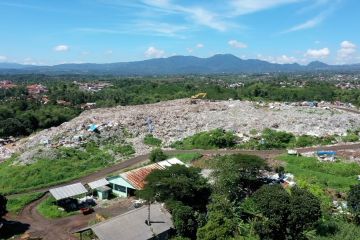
(174, 120)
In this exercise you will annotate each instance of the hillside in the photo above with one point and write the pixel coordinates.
(217, 64)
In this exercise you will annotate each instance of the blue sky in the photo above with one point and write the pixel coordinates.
(282, 31)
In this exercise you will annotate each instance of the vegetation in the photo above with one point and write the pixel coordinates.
(69, 164)
(17, 204)
(354, 202)
(149, 139)
(285, 215)
(185, 193)
(188, 157)
(335, 175)
(157, 155)
(272, 139)
(49, 209)
(214, 139)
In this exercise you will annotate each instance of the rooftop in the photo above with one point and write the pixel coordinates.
(131, 225)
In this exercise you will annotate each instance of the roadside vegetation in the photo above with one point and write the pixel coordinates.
(16, 204)
(69, 164)
(188, 157)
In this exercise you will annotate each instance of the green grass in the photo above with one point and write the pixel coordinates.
(346, 231)
(335, 175)
(149, 139)
(17, 204)
(49, 209)
(214, 139)
(71, 164)
(125, 150)
(188, 157)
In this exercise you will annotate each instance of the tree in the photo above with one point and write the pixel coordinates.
(184, 219)
(237, 176)
(305, 211)
(177, 183)
(157, 155)
(221, 222)
(3, 211)
(285, 215)
(354, 201)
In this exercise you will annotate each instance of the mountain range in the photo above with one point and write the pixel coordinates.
(217, 64)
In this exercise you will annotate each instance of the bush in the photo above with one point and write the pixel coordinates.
(157, 155)
(350, 137)
(125, 150)
(149, 139)
(214, 139)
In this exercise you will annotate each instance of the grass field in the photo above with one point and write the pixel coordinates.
(49, 209)
(335, 175)
(71, 164)
(188, 157)
(16, 204)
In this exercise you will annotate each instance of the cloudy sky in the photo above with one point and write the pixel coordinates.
(282, 31)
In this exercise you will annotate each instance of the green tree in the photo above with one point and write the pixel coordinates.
(237, 176)
(157, 155)
(285, 215)
(177, 183)
(354, 201)
(221, 223)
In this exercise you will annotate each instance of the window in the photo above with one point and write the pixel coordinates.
(120, 188)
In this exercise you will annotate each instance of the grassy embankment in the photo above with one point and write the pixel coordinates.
(70, 164)
(16, 204)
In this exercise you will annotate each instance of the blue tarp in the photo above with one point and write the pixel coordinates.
(320, 153)
(92, 127)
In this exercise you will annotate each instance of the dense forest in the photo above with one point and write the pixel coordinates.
(22, 113)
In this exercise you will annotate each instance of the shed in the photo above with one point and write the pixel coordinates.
(131, 225)
(120, 187)
(100, 186)
(68, 191)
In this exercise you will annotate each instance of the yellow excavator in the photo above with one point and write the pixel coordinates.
(193, 99)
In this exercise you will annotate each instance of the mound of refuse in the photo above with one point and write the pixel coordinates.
(174, 120)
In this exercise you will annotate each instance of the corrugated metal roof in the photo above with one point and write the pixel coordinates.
(170, 162)
(98, 183)
(137, 177)
(68, 191)
(131, 225)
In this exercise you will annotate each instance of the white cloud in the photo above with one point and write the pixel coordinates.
(199, 45)
(250, 6)
(153, 52)
(189, 50)
(3, 58)
(317, 53)
(61, 48)
(308, 24)
(199, 15)
(237, 44)
(109, 52)
(283, 59)
(347, 50)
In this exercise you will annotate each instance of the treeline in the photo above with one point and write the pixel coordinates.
(21, 114)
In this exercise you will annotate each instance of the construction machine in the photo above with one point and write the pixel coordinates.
(193, 99)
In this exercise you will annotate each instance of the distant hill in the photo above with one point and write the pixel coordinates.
(217, 64)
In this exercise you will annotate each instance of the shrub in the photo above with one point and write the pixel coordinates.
(149, 139)
(157, 155)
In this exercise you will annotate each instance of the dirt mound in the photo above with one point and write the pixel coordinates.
(174, 120)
